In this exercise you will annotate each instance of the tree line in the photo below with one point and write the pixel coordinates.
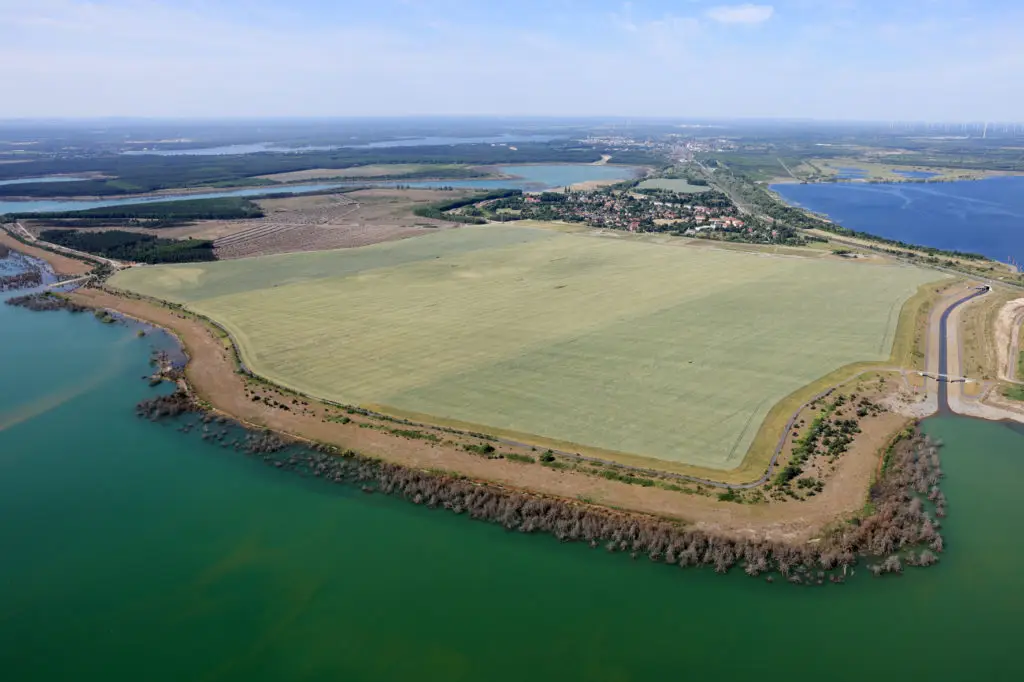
(160, 213)
(143, 173)
(132, 246)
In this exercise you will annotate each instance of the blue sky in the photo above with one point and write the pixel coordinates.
(850, 59)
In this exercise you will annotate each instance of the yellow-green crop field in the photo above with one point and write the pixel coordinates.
(654, 350)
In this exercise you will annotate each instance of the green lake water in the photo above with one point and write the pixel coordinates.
(131, 551)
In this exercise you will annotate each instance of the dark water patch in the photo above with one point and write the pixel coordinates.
(23, 280)
(45, 302)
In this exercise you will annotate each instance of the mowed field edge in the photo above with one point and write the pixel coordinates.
(623, 347)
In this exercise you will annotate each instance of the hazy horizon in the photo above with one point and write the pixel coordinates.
(850, 60)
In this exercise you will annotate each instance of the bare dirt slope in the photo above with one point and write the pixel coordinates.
(1007, 338)
(312, 223)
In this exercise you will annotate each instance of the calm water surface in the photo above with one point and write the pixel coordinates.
(48, 178)
(529, 177)
(981, 216)
(915, 175)
(261, 147)
(134, 552)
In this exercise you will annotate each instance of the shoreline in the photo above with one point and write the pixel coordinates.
(343, 181)
(212, 374)
(213, 377)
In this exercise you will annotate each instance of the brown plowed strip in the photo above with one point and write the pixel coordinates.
(212, 375)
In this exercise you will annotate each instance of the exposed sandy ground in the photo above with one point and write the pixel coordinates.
(1007, 338)
(329, 221)
(62, 265)
(993, 407)
(211, 373)
(312, 223)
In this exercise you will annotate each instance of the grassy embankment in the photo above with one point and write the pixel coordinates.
(908, 352)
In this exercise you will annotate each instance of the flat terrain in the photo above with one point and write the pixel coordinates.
(616, 346)
(312, 223)
(876, 169)
(674, 185)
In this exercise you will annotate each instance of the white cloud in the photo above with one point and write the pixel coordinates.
(741, 14)
(197, 58)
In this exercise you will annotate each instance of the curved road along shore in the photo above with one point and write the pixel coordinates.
(943, 386)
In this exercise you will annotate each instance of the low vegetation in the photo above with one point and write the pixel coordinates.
(1014, 392)
(902, 529)
(521, 330)
(22, 280)
(45, 302)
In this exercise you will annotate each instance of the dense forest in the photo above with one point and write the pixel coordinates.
(143, 173)
(154, 214)
(438, 211)
(132, 246)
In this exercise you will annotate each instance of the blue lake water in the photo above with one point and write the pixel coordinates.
(261, 147)
(225, 150)
(850, 173)
(915, 175)
(530, 177)
(440, 141)
(50, 205)
(981, 216)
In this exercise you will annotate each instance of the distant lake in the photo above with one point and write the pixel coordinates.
(261, 147)
(439, 141)
(850, 173)
(49, 178)
(224, 150)
(915, 175)
(50, 205)
(531, 177)
(980, 216)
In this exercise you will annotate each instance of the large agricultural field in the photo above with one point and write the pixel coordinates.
(623, 348)
(678, 185)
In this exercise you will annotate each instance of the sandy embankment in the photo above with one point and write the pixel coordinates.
(1007, 337)
(992, 408)
(211, 374)
(62, 265)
